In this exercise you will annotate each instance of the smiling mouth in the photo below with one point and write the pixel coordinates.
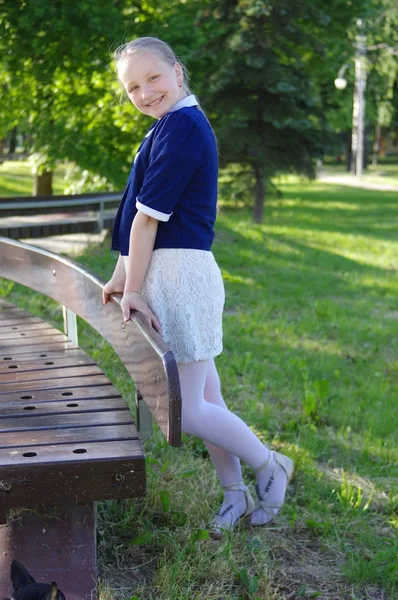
(156, 102)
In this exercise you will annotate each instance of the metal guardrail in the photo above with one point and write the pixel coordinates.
(14, 156)
(10, 206)
(60, 203)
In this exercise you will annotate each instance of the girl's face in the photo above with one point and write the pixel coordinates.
(152, 85)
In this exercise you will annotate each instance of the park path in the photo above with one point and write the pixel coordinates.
(71, 244)
(353, 181)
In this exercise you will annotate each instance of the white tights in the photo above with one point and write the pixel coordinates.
(206, 416)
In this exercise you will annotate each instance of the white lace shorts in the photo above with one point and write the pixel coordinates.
(184, 289)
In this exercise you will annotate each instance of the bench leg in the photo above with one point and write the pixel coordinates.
(143, 418)
(55, 544)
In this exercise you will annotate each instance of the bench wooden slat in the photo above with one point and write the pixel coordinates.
(37, 345)
(58, 482)
(6, 311)
(43, 338)
(4, 305)
(108, 433)
(54, 384)
(39, 350)
(24, 327)
(60, 407)
(18, 332)
(81, 394)
(16, 320)
(50, 454)
(7, 306)
(45, 364)
(103, 485)
(15, 311)
(54, 421)
(32, 356)
(18, 376)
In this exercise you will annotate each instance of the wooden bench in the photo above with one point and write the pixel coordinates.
(67, 438)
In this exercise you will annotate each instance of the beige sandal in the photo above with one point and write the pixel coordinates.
(218, 527)
(287, 465)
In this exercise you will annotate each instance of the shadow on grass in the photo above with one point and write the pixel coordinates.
(278, 263)
(12, 183)
(331, 209)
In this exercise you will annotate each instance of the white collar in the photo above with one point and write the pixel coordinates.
(184, 102)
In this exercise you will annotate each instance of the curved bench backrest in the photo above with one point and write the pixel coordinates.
(143, 352)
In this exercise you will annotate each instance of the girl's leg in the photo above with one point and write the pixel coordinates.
(227, 465)
(215, 424)
(222, 428)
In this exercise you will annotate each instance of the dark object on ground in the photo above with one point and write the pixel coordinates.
(26, 588)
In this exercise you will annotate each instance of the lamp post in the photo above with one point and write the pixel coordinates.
(358, 109)
(358, 114)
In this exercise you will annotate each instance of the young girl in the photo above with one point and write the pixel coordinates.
(165, 270)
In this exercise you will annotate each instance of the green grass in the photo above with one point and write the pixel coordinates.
(16, 179)
(311, 362)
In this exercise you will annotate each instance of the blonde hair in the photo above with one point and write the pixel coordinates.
(154, 46)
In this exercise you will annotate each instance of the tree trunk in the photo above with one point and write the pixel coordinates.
(43, 184)
(259, 196)
(366, 152)
(383, 146)
(376, 144)
(12, 141)
(26, 143)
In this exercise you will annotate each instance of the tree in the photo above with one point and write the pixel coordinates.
(271, 68)
(58, 86)
(263, 104)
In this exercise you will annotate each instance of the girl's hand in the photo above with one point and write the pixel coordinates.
(134, 301)
(113, 286)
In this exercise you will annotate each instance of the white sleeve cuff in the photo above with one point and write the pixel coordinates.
(151, 212)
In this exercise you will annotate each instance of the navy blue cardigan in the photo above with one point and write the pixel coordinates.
(174, 180)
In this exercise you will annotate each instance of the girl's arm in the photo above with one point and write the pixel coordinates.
(142, 240)
(116, 283)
